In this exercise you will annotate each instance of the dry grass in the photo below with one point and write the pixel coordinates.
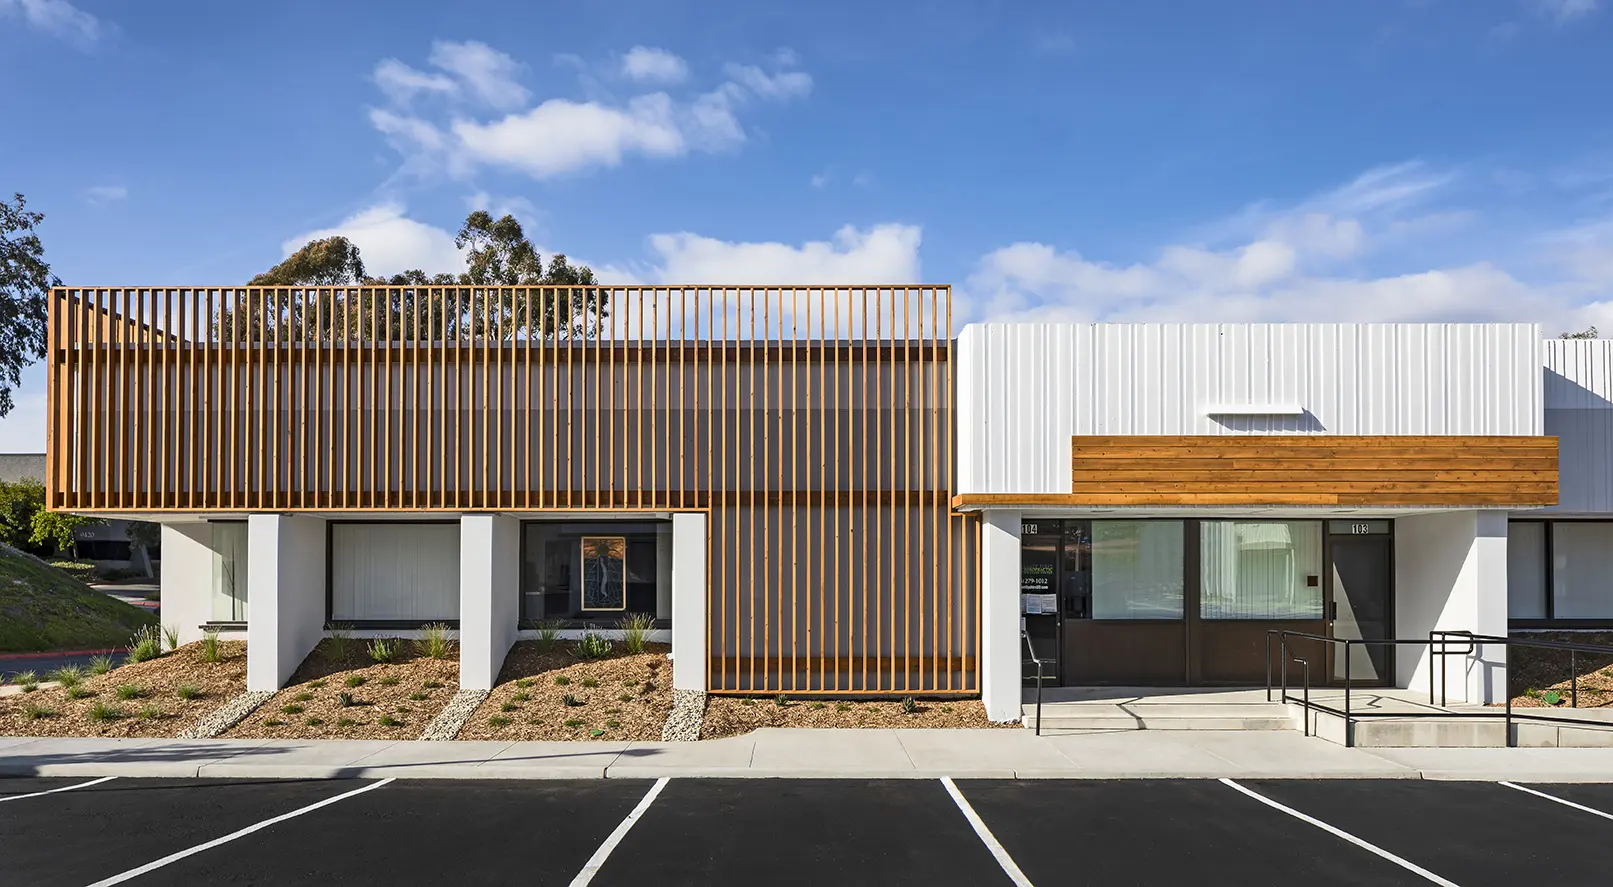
(734, 716)
(536, 703)
(1541, 670)
(157, 680)
(310, 706)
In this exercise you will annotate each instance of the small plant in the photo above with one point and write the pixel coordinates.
(909, 705)
(188, 691)
(498, 721)
(593, 645)
(636, 632)
(507, 707)
(625, 697)
(145, 644)
(383, 650)
(150, 713)
(432, 685)
(345, 699)
(35, 711)
(100, 712)
(548, 635)
(315, 685)
(314, 722)
(209, 651)
(521, 696)
(613, 711)
(303, 697)
(354, 680)
(816, 706)
(572, 722)
(388, 721)
(403, 709)
(1532, 693)
(590, 683)
(346, 722)
(433, 641)
(1552, 697)
(291, 709)
(274, 722)
(170, 636)
(842, 706)
(130, 691)
(571, 701)
(390, 680)
(524, 683)
(27, 680)
(781, 701)
(68, 676)
(747, 702)
(417, 696)
(613, 724)
(100, 665)
(596, 732)
(78, 691)
(946, 708)
(561, 680)
(339, 641)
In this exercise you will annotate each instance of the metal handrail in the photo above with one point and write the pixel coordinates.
(1030, 648)
(1442, 643)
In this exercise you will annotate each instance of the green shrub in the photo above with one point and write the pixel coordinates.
(417, 696)
(590, 683)
(345, 699)
(383, 650)
(507, 707)
(572, 722)
(1552, 697)
(339, 641)
(593, 645)
(27, 680)
(434, 641)
(145, 644)
(100, 665)
(68, 675)
(130, 691)
(170, 634)
(210, 646)
(303, 697)
(188, 691)
(78, 691)
(150, 713)
(100, 712)
(613, 724)
(636, 632)
(909, 705)
(354, 680)
(816, 706)
(747, 701)
(520, 696)
(274, 722)
(313, 722)
(432, 685)
(498, 721)
(548, 635)
(571, 701)
(346, 722)
(291, 709)
(561, 680)
(35, 711)
(781, 701)
(523, 683)
(403, 710)
(388, 721)
(315, 685)
(390, 680)
(625, 697)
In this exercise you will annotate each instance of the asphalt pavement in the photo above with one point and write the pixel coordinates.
(74, 831)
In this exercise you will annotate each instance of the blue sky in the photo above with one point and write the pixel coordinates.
(1136, 160)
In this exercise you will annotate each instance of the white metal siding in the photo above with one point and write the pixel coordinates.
(394, 571)
(1578, 389)
(1025, 389)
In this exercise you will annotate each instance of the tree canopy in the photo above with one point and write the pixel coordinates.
(25, 282)
(414, 304)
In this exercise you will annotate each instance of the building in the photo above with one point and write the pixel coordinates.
(105, 543)
(832, 491)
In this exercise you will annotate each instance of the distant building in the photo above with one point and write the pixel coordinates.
(106, 543)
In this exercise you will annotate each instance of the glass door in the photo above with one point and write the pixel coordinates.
(1362, 573)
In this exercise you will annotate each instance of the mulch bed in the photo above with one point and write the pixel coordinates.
(734, 716)
(1540, 670)
(622, 697)
(393, 700)
(157, 712)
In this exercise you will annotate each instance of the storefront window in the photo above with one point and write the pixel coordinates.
(1526, 570)
(229, 572)
(595, 572)
(1582, 560)
(1261, 570)
(1136, 569)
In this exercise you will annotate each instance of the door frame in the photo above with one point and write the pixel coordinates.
(1387, 679)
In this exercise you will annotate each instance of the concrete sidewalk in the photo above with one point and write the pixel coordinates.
(881, 754)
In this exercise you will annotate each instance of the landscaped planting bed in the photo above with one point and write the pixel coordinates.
(341, 691)
(1535, 674)
(734, 716)
(552, 690)
(157, 698)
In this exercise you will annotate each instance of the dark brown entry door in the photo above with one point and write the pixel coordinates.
(1359, 607)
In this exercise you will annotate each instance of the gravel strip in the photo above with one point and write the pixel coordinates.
(454, 715)
(683, 722)
(227, 715)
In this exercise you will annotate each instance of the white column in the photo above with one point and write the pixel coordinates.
(1451, 574)
(187, 578)
(489, 596)
(285, 595)
(1000, 670)
(689, 653)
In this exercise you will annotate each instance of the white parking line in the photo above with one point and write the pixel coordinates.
(65, 788)
(1406, 864)
(1566, 803)
(1009, 867)
(591, 868)
(256, 827)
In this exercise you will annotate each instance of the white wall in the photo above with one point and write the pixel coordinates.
(1000, 672)
(1579, 411)
(287, 594)
(187, 577)
(689, 653)
(1451, 573)
(1025, 389)
(489, 596)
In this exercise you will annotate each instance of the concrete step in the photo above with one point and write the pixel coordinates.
(1091, 716)
(1451, 732)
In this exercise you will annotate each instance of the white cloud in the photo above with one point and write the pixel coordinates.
(887, 253)
(101, 194)
(1565, 10)
(561, 135)
(821, 180)
(649, 65)
(60, 19)
(391, 242)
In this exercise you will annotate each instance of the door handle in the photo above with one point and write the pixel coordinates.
(1333, 610)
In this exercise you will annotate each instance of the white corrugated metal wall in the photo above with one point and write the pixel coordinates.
(1579, 410)
(1025, 389)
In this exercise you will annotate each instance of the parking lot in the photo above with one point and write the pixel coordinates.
(697, 831)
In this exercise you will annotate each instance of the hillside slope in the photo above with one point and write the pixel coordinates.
(43, 608)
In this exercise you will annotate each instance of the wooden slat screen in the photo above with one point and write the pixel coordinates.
(813, 424)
